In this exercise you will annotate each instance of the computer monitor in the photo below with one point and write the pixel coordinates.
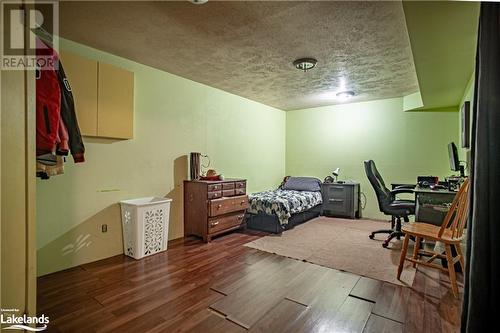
(454, 161)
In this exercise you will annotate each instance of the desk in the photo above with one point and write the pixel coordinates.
(432, 205)
(394, 185)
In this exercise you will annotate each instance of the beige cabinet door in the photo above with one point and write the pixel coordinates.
(82, 76)
(115, 102)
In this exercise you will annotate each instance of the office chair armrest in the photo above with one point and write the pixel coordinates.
(399, 190)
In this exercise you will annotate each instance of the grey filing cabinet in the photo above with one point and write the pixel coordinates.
(341, 199)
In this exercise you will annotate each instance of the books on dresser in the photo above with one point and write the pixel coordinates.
(214, 207)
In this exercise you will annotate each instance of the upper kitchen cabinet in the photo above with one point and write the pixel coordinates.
(104, 96)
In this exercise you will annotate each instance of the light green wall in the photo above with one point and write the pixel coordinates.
(413, 101)
(173, 116)
(403, 144)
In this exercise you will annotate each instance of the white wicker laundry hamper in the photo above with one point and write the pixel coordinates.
(145, 226)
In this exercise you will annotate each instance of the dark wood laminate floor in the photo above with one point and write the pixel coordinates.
(226, 287)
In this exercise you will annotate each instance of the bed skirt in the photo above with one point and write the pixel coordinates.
(270, 223)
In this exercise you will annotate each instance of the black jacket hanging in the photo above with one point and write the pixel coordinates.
(69, 117)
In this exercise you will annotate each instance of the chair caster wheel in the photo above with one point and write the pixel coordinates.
(371, 236)
(385, 245)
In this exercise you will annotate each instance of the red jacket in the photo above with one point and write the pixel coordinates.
(57, 128)
(48, 104)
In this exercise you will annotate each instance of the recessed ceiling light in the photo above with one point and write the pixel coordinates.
(198, 2)
(344, 95)
(305, 64)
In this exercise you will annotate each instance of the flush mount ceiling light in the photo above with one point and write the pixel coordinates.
(344, 95)
(305, 64)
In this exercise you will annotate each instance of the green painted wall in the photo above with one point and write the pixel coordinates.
(173, 116)
(403, 144)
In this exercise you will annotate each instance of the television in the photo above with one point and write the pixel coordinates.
(454, 161)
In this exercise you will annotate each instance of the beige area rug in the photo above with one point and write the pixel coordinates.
(341, 244)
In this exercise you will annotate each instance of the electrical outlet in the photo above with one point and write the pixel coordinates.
(104, 228)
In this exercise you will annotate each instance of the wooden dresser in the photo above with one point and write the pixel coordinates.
(214, 207)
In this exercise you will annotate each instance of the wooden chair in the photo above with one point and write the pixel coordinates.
(450, 233)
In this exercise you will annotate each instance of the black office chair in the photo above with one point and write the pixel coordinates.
(388, 204)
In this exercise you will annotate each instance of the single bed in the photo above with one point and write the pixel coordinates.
(297, 200)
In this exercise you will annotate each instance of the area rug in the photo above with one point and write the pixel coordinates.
(341, 244)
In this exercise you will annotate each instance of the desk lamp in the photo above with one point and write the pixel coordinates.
(335, 174)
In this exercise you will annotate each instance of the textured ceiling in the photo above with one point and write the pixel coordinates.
(247, 48)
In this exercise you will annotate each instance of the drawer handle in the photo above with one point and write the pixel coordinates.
(242, 202)
(240, 217)
(213, 224)
(219, 206)
(335, 200)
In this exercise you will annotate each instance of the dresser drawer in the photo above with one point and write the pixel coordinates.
(228, 193)
(240, 191)
(228, 186)
(240, 202)
(337, 192)
(220, 206)
(240, 184)
(338, 206)
(227, 205)
(214, 187)
(221, 223)
(214, 195)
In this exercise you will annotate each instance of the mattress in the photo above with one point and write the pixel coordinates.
(283, 203)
